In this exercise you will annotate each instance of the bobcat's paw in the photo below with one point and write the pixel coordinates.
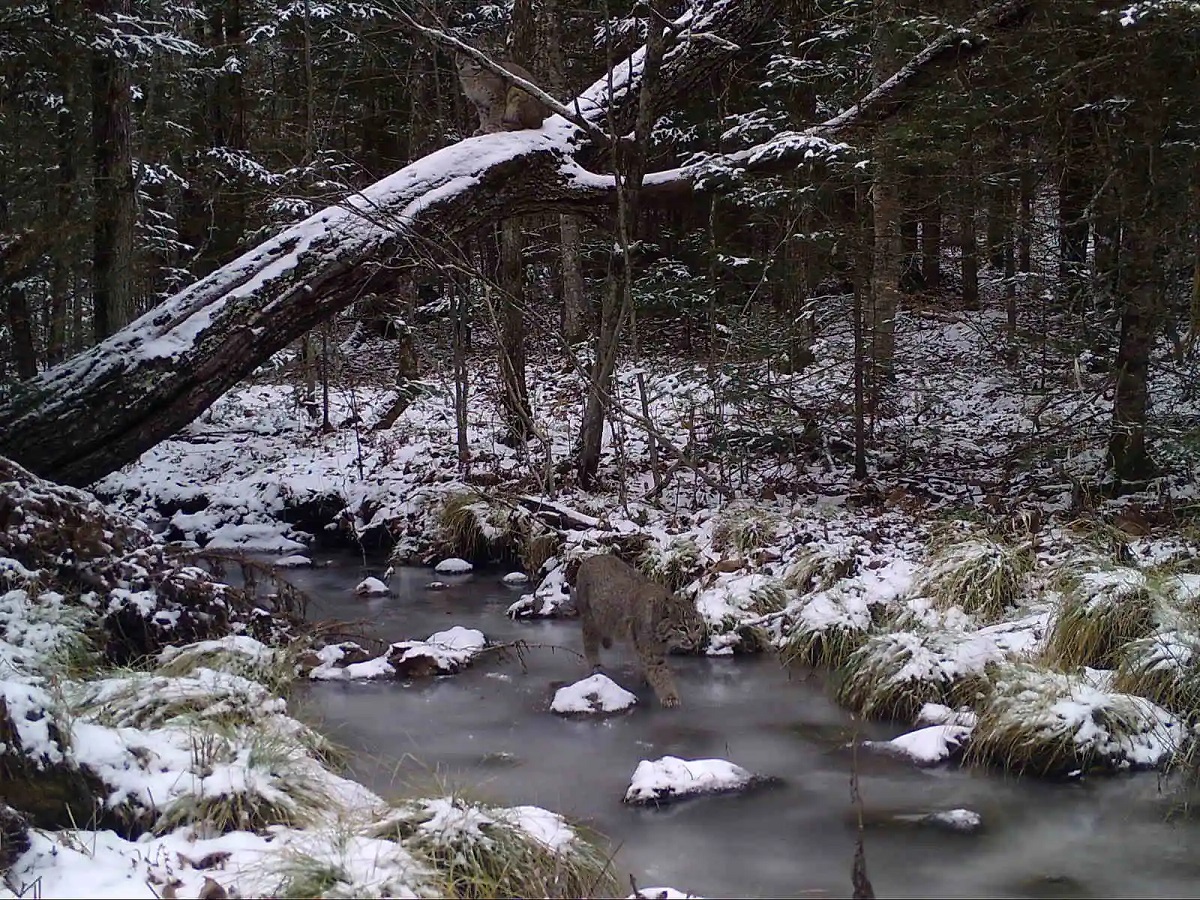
(669, 701)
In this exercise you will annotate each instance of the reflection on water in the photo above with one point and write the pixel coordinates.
(488, 731)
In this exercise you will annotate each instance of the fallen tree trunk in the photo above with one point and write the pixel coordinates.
(102, 409)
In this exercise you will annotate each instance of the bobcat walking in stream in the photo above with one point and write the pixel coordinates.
(615, 600)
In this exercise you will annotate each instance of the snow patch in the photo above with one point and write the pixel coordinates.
(671, 778)
(596, 694)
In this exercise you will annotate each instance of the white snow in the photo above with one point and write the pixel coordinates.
(672, 778)
(938, 714)
(595, 694)
(926, 746)
(447, 651)
(548, 599)
(515, 578)
(371, 587)
(963, 821)
(453, 566)
(295, 561)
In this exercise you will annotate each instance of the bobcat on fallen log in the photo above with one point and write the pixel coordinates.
(616, 601)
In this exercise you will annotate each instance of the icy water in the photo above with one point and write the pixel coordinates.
(488, 731)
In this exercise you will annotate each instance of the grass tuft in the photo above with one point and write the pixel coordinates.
(304, 876)
(478, 851)
(1101, 612)
(674, 565)
(821, 568)
(893, 675)
(769, 596)
(981, 576)
(539, 545)
(744, 529)
(268, 781)
(480, 529)
(1164, 668)
(828, 629)
(1042, 722)
(274, 669)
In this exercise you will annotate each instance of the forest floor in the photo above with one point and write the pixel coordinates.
(981, 584)
(985, 554)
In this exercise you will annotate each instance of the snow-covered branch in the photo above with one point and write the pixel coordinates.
(102, 409)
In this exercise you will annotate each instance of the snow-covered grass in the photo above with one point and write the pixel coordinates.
(1101, 612)
(744, 529)
(1039, 721)
(1165, 667)
(981, 576)
(673, 562)
(894, 674)
(481, 851)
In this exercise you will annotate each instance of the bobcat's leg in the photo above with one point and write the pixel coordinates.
(591, 644)
(654, 664)
(660, 678)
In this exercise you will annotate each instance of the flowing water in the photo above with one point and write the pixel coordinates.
(488, 732)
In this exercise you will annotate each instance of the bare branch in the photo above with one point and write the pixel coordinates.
(438, 36)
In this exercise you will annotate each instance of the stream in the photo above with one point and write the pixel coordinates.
(488, 733)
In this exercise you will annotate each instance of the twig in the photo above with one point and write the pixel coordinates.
(447, 40)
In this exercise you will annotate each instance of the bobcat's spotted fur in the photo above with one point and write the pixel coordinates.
(616, 601)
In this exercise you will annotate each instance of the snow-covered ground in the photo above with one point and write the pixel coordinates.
(182, 775)
(970, 587)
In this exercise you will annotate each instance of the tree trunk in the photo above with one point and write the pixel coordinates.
(113, 184)
(931, 244)
(629, 168)
(65, 187)
(888, 254)
(514, 391)
(968, 246)
(1025, 226)
(1142, 309)
(576, 317)
(576, 320)
(20, 325)
(861, 271)
(996, 234)
(461, 307)
(18, 255)
(1073, 196)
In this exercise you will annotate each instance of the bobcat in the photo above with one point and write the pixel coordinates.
(501, 107)
(615, 600)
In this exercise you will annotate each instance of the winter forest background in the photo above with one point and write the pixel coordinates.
(868, 327)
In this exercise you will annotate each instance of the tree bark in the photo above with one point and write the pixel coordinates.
(514, 390)
(1142, 310)
(1073, 196)
(967, 243)
(931, 243)
(113, 184)
(93, 414)
(576, 320)
(887, 265)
